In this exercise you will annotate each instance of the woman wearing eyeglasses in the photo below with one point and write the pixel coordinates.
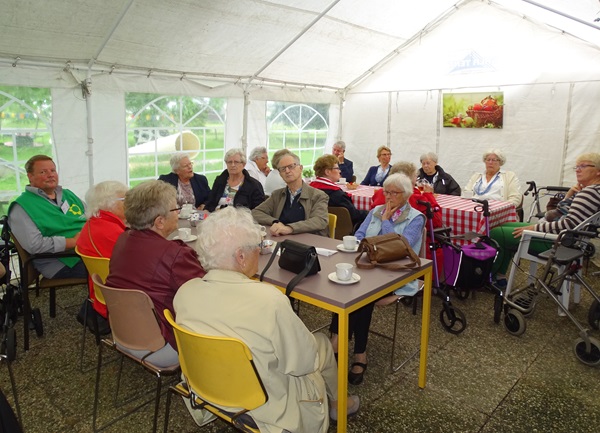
(378, 173)
(235, 186)
(395, 216)
(495, 183)
(191, 187)
(582, 202)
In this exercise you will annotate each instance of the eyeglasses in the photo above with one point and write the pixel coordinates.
(582, 166)
(392, 193)
(233, 162)
(385, 154)
(288, 167)
(177, 209)
(491, 160)
(335, 168)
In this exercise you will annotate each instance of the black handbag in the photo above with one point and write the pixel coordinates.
(295, 257)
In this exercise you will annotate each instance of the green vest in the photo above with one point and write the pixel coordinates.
(50, 219)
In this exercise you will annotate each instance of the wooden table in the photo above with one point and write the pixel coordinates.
(464, 215)
(319, 291)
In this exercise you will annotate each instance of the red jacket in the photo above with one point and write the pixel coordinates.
(104, 231)
(144, 260)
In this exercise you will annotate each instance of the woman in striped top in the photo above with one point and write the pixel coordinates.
(584, 204)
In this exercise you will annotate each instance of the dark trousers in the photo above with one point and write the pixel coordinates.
(359, 323)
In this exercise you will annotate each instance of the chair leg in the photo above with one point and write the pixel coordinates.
(97, 389)
(167, 410)
(53, 302)
(157, 401)
(14, 391)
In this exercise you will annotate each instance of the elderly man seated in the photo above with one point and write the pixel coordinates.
(258, 164)
(47, 218)
(297, 208)
(297, 368)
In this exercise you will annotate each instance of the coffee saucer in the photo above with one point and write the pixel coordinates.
(344, 250)
(333, 277)
(181, 217)
(192, 238)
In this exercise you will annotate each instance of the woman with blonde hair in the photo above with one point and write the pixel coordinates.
(378, 173)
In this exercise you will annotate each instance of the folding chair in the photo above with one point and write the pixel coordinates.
(29, 276)
(523, 253)
(134, 326)
(344, 225)
(94, 265)
(224, 376)
(332, 225)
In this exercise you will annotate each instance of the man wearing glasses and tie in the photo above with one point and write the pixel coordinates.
(297, 208)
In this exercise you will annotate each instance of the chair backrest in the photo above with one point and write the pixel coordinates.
(27, 268)
(344, 226)
(224, 374)
(99, 266)
(332, 225)
(132, 318)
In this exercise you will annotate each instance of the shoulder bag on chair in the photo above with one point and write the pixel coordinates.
(387, 248)
(295, 257)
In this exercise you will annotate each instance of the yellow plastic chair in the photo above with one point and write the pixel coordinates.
(344, 226)
(332, 225)
(134, 326)
(223, 375)
(99, 266)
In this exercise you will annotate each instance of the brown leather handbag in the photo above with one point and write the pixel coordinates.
(387, 248)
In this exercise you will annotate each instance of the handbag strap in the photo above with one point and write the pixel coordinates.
(92, 240)
(270, 262)
(294, 281)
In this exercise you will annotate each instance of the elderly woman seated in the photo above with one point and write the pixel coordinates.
(328, 174)
(495, 183)
(235, 186)
(442, 182)
(106, 222)
(143, 259)
(395, 216)
(191, 187)
(297, 368)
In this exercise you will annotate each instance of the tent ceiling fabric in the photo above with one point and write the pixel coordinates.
(285, 41)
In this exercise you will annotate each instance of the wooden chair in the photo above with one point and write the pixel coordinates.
(94, 265)
(332, 225)
(344, 225)
(135, 327)
(224, 376)
(29, 276)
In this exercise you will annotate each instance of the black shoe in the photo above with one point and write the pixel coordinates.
(103, 326)
(357, 378)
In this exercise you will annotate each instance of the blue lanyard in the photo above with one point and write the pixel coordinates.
(477, 187)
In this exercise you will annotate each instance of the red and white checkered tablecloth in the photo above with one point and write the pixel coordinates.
(459, 213)
(361, 196)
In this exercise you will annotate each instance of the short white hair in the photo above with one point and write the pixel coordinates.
(340, 144)
(257, 152)
(103, 196)
(429, 155)
(175, 161)
(499, 154)
(236, 151)
(400, 180)
(222, 234)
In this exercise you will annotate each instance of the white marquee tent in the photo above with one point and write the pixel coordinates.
(383, 65)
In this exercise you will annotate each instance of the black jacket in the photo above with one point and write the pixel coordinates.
(199, 185)
(250, 194)
(444, 183)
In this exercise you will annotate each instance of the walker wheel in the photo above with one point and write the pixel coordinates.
(462, 293)
(453, 320)
(514, 322)
(594, 315)
(498, 303)
(36, 319)
(591, 358)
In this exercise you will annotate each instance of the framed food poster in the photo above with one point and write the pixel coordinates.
(473, 110)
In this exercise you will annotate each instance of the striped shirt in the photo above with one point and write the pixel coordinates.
(585, 204)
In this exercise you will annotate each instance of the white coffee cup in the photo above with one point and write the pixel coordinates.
(186, 210)
(343, 271)
(185, 233)
(263, 231)
(342, 180)
(350, 242)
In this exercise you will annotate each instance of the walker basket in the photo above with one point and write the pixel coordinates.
(468, 267)
(482, 117)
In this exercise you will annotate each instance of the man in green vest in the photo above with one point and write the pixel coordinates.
(47, 219)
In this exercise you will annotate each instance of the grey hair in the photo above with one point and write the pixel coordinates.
(429, 155)
(236, 151)
(148, 200)
(592, 157)
(278, 155)
(496, 152)
(340, 144)
(221, 235)
(175, 161)
(400, 180)
(404, 167)
(293, 155)
(257, 152)
(103, 196)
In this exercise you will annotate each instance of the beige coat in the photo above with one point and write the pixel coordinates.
(511, 188)
(285, 352)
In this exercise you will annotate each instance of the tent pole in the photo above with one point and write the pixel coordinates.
(86, 88)
(245, 120)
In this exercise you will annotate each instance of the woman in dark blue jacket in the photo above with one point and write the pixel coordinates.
(191, 187)
(378, 173)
